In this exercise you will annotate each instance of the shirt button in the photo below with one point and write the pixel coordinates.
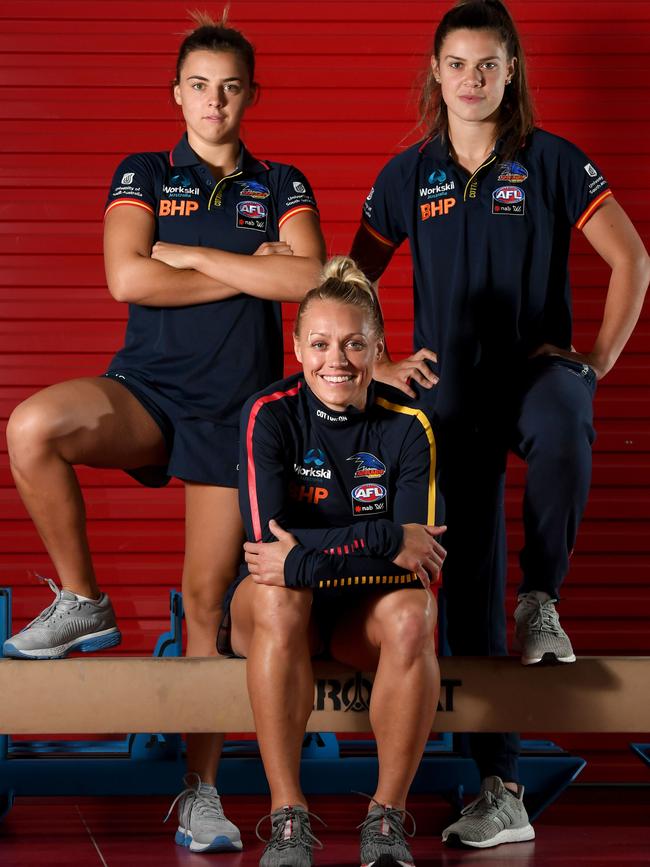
(210, 183)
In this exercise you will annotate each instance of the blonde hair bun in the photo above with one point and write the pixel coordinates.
(342, 280)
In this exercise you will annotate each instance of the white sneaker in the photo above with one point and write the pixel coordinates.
(202, 824)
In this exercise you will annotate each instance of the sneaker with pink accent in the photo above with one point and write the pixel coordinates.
(383, 838)
(292, 840)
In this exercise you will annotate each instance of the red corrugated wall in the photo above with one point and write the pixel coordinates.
(83, 83)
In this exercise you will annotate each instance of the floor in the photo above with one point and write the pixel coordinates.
(588, 827)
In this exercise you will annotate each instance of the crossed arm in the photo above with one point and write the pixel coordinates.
(173, 275)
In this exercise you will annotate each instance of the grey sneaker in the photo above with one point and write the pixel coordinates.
(538, 631)
(496, 816)
(67, 624)
(292, 839)
(383, 836)
(202, 824)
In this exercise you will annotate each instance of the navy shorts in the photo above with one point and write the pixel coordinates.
(199, 449)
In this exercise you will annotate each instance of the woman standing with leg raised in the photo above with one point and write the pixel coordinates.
(202, 242)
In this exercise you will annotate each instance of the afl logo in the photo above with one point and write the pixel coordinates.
(368, 493)
(252, 209)
(508, 195)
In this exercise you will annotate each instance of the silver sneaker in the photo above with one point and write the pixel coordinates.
(538, 631)
(202, 824)
(292, 840)
(496, 816)
(67, 624)
(383, 838)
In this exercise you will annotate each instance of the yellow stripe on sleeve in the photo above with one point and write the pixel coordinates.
(424, 421)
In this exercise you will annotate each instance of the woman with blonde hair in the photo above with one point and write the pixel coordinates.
(338, 496)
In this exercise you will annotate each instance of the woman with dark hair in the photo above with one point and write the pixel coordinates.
(202, 242)
(488, 202)
(343, 477)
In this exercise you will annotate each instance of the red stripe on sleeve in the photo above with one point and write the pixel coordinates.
(252, 479)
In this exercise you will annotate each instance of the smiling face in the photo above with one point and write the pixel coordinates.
(338, 348)
(473, 69)
(213, 92)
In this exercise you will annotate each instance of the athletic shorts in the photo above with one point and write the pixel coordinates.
(199, 449)
(326, 609)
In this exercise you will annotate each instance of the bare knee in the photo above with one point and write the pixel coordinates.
(31, 433)
(281, 615)
(406, 626)
(203, 597)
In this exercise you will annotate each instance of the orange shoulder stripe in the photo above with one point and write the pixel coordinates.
(293, 211)
(597, 202)
(137, 202)
(375, 234)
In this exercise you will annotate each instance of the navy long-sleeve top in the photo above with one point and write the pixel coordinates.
(343, 483)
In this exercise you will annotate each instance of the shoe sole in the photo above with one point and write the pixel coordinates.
(219, 844)
(508, 835)
(388, 861)
(548, 659)
(86, 644)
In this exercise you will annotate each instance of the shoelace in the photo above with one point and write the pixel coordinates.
(393, 817)
(544, 617)
(486, 795)
(306, 837)
(68, 604)
(206, 804)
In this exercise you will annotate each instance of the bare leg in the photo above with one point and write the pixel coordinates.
(271, 626)
(214, 536)
(92, 421)
(394, 632)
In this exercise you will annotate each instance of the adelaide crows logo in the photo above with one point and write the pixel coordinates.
(368, 466)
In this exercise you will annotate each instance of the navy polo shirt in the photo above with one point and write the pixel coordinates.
(490, 252)
(209, 357)
(343, 483)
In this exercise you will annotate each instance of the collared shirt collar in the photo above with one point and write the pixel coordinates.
(436, 148)
(183, 155)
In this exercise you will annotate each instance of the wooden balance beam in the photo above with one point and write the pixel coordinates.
(127, 694)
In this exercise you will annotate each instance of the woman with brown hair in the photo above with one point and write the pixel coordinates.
(202, 242)
(488, 202)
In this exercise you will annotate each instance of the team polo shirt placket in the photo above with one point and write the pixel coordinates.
(222, 200)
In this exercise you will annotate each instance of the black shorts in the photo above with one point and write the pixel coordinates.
(328, 605)
(199, 449)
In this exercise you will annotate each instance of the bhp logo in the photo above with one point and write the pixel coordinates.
(177, 207)
(436, 209)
